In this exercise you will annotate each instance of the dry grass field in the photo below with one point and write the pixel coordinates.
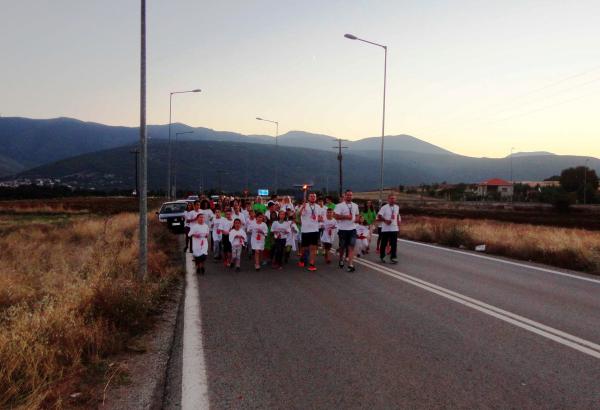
(69, 297)
(568, 248)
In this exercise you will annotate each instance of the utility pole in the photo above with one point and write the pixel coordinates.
(137, 153)
(143, 195)
(339, 157)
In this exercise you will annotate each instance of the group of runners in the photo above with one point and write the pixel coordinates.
(271, 233)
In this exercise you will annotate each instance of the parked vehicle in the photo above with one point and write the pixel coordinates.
(171, 213)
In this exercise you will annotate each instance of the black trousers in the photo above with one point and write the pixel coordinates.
(392, 239)
(279, 251)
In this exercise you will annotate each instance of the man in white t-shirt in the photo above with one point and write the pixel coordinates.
(389, 217)
(309, 216)
(347, 213)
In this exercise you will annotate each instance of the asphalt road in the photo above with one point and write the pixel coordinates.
(439, 330)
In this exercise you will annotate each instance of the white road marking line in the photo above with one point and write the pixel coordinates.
(491, 258)
(194, 384)
(548, 332)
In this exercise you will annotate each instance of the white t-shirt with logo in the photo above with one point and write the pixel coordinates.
(310, 218)
(259, 232)
(237, 238)
(344, 208)
(329, 230)
(225, 225)
(388, 212)
(216, 229)
(208, 215)
(199, 234)
(280, 230)
(190, 217)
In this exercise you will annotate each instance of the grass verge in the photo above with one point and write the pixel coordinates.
(69, 297)
(568, 248)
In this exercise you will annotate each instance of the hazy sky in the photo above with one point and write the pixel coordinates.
(475, 77)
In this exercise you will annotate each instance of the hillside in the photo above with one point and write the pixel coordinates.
(32, 142)
(252, 165)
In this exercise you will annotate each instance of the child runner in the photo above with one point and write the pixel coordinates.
(291, 242)
(329, 231)
(259, 231)
(250, 221)
(217, 235)
(189, 215)
(225, 225)
(199, 233)
(236, 213)
(280, 229)
(363, 237)
(237, 238)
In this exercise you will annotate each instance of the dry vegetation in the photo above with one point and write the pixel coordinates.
(576, 249)
(68, 298)
(76, 205)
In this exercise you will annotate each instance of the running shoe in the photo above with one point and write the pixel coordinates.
(381, 260)
(312, 268)
(341, 264)
(393, 261)
(300, 264)
(350, 268)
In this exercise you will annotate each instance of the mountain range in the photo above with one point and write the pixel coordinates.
(96, 155)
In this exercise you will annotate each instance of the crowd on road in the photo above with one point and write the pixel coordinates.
(272, 233)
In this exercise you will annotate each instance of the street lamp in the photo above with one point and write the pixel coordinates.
(353, 37)
(143, 194)
(276, 150)
(177, 161)
(197, 90)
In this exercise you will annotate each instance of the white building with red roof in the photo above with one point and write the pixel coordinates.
(496, 187)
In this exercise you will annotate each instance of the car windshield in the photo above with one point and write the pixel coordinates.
(172, 208)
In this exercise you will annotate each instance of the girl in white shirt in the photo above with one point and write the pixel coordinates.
(280, 230)
(199, 233)
(226, 224)
(328, 235)
(189, 215)
(237, 238)
(291, 243)
(259, 232)
(217, 235)
(363, 237)
(249, 223)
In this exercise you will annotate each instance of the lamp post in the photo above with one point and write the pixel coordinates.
(169, 149)
(353, 37)
(177, 161)
(143, 194)
(276, 150)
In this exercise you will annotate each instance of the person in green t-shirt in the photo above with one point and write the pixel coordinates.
(329, 203)
(368, 212)
(259, 206)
